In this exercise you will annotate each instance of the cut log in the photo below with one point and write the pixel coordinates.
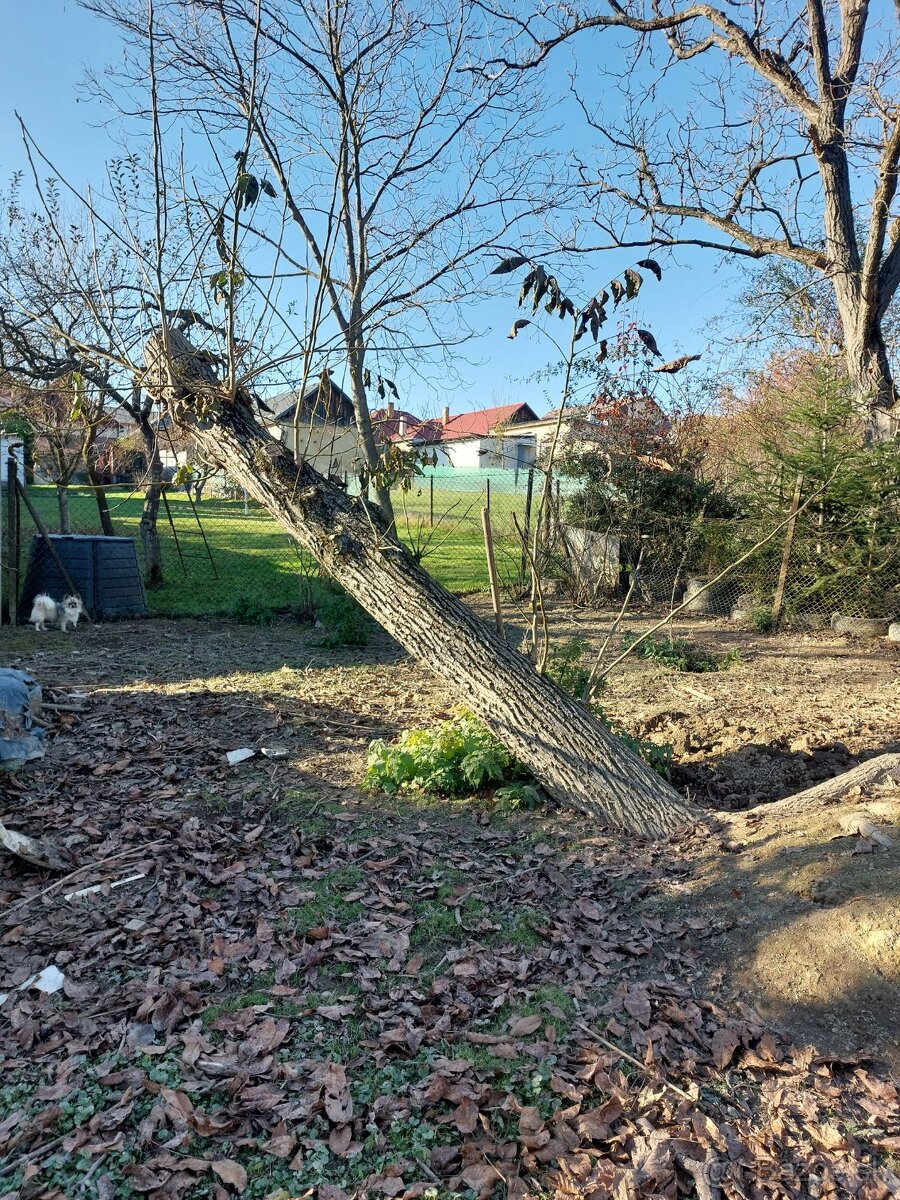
(577, 760)
(867, 774)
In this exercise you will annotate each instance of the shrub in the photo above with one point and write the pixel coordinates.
(680, 654)
(457, 758)
(345, 621)
(248, 610)
(763, 619)
(566, 666)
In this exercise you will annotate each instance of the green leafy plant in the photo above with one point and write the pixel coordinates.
(763, 619)
(457, 758)
(680, 654)
(517, 795)
(248, 610)
(657, 756)
(345, 621)
(567, 667)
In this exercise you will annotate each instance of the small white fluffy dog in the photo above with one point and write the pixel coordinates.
(64, 613)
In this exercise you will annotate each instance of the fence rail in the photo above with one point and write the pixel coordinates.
(225, 550)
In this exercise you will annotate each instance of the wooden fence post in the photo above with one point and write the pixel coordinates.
(12, 538)
(778, 601)
(492, 568)
(526, 528)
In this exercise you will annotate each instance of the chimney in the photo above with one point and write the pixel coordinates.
(401, 426)
(390, 409)
(445, 416)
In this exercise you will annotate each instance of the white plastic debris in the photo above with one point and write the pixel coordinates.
(238, 756)
(98, 887)
(41, 854)
(49, 980)
(274, 751)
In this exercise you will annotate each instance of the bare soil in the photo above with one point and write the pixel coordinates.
(812, 918)
(809, 914)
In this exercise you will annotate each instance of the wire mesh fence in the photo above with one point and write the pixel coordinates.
(222, 551)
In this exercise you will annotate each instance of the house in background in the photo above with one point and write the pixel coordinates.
(318, 426)
(392, 424)
(504, 437)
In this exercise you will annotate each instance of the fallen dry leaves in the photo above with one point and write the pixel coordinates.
(303, 999)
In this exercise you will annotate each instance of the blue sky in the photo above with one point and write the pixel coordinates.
(49, 42)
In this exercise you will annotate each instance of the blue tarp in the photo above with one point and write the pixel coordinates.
(20, 702)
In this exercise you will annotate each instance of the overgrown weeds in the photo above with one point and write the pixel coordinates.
(679, 654)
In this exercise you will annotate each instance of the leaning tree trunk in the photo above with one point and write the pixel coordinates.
(579, 762)
(153, 572)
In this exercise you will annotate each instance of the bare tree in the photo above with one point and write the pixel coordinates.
(68, 296)
(787, 146)
(575, 757)
(205, 386)
(63, 419)
(398, 170)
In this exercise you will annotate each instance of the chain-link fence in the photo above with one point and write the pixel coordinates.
(221, 552)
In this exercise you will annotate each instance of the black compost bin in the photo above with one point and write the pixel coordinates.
(104, 570)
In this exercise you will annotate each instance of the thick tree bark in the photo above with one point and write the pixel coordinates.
(153, 572)
(873, 387)
(579, 762)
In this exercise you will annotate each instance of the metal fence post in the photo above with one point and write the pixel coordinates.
(431, 500)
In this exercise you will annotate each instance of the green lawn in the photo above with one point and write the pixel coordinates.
(253, 560)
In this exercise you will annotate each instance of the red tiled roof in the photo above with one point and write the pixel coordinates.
(387, 426)
(484, 421)
(426, 431)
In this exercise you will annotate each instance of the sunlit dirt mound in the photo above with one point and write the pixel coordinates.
(812, 916)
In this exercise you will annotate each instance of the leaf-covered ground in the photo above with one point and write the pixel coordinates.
(312, 993)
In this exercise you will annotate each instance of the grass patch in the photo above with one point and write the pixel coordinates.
(256, 570)
(437, 924)
(519, 928)
(328, 901)
(550, 1002)
(313, 816)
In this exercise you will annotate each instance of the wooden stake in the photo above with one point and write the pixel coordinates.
(526, 532)
(492, 568)
(786, 555)
(12, 540)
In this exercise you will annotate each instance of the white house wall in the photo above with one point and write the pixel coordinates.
(473, 454)
(328, 448)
